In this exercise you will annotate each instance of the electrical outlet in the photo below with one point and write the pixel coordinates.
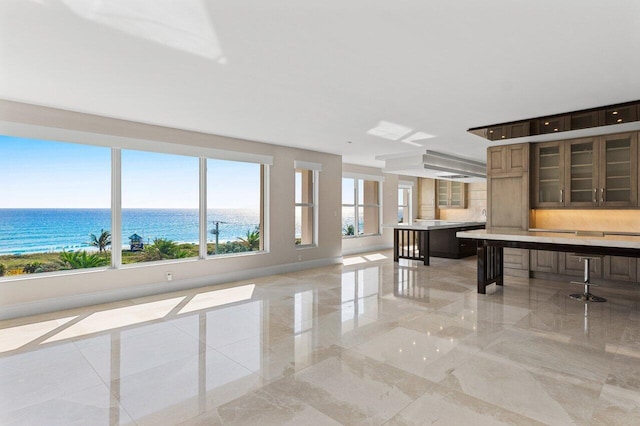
(169, 276)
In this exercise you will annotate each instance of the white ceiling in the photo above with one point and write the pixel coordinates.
(319, 75)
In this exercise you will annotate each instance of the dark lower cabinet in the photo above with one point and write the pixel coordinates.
(444, 243)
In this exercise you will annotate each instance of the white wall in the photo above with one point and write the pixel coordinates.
(389, 212)
(46, 292)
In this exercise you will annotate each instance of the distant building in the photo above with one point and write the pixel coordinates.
(135, 243)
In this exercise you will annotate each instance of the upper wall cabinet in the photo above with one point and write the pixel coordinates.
(589, 172)
(450, 194)
(619, 170)
(507, 159)
(581, 171)
(548, 176)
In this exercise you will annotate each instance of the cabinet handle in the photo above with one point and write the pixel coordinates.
(562, 195)
(595, 195)
(602, 195)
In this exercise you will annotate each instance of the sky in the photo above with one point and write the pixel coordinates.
(45, 174)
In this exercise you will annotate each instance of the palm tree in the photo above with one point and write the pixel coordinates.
(81, 260)
(164, 249)
(252, 241)
(102, 241)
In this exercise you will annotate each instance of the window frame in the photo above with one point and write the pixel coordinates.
(408, 187)
(199, 153)
(204, 202)
(358, 206)
(313, 197)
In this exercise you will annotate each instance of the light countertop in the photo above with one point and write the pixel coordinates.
(622, 241)
(432, 224)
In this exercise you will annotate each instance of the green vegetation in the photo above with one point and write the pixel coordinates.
(252, 241)
(229, 247)
(82, 260)
(14, 264)
(161, 249)
(35, 267)
(102, 241)
(348, 230)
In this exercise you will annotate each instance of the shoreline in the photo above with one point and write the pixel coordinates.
(90, 249)
(33, 263)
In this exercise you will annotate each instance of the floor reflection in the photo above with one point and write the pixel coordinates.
(368, 342)
(410, 286)
(360, 294)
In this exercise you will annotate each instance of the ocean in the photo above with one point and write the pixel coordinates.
(52, 230)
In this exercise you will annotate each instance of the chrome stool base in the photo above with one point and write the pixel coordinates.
(586, 296)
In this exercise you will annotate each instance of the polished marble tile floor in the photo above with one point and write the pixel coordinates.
(368, 342)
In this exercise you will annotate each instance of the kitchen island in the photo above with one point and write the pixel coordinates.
(490, 247)
(432, 238)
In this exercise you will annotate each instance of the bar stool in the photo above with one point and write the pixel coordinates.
(586, 296)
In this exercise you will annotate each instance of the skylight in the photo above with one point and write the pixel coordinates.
(389, 130)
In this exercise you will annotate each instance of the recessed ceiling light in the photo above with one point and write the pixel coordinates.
(546, 123)
(615, 113)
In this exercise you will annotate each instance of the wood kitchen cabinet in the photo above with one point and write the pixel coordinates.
(607, 267)
(589, 172)
(543, 261)
(602, 172)
(618, 170)
(620, 268)
(581, 173)
(569, 264)
(508, 199)
(450, 194)
(507, 159)
(548, 174)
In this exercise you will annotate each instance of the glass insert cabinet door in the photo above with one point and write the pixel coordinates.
(549, 182)
(582, 173)
(618, 173)
(456, 194)
(450, 194)
(443, 193)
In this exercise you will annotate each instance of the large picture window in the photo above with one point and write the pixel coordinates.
(360, 207)
(234, 207)
(159, 206)
(54, 206)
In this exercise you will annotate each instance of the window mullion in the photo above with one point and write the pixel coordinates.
(202, 211)
(116, 208)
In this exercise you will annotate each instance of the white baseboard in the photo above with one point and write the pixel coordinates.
(366, 249)
(88, 299)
